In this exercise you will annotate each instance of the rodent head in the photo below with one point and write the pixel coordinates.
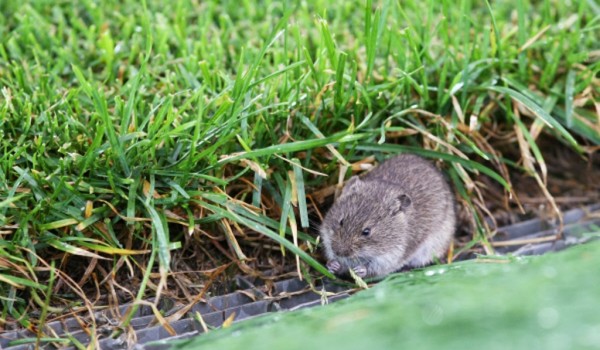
(367, 220)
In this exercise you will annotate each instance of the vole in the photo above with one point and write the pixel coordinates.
(402, 213)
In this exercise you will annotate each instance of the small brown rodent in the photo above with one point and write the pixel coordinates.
(402, 213)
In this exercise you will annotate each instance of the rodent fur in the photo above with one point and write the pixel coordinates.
(409, 210)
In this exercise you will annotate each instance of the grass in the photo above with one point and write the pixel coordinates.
(546, 302)
(148, 146)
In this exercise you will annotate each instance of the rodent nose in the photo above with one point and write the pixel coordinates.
(342, 249)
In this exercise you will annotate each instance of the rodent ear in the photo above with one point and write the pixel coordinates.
(400, 204)
(352, 186)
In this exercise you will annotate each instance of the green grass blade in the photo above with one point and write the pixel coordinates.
(539, 112)
(299, 176)
(569, 92)
(160, 238)
(468, 164)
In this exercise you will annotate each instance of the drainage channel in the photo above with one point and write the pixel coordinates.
(250, 301)
(534, 237)
(531, 237)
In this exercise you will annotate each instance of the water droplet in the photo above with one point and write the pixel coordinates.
(591, 337)
(432, 314)
(548, 317)
(432, 272)
(380, 294)
(549, 271)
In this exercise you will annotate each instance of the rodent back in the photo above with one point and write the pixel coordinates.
(431, 196)
(406, 170)
(423, 182)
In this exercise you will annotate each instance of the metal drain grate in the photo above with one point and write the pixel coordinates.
(249, 302)
(579, 226)
(252, 300)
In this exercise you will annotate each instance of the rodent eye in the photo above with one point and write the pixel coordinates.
(366, 232)
(341, 222)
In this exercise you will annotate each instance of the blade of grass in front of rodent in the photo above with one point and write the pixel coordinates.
(269, 233)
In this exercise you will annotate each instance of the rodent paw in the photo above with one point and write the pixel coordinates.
(334, 266)
(360, 271)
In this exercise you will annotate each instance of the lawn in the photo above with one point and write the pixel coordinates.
(547, 302)
(161, 147)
